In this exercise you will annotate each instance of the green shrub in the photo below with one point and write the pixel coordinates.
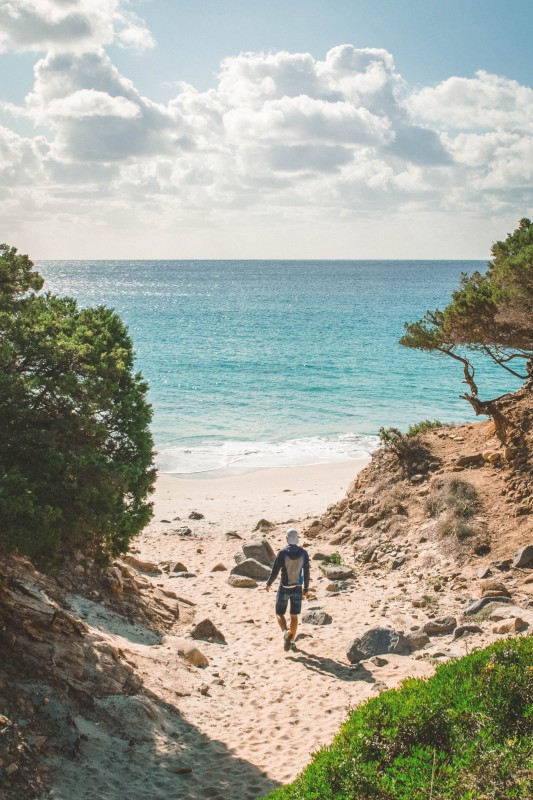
(423, 426)
(75, 444)
(334, 559)
(465, 733)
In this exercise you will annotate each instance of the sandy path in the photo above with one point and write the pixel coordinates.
(251, 719)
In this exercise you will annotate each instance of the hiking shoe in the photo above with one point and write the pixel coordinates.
(287, 641)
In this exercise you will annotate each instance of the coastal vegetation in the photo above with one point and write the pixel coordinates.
(75, 446)
(491, 314)
(466, 732)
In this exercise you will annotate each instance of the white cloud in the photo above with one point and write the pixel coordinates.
(484, 102)
(282, 138)
(69, 25)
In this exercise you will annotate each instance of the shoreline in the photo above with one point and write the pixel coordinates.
(279, 494)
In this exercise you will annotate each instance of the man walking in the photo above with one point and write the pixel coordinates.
(293, 562)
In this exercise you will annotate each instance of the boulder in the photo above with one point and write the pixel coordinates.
(316, 617)
(241, 582)
(376, 642)
(208, 632)
(524, 557)
(239, 557)
(462, 629)
(261, 551)
(510, 625)
(251, 568)
(494, 589)
(469, 460)
(418, 639)
(318, 556)
(336, 573)
(477, 605)
(436, 627)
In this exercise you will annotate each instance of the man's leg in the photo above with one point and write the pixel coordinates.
(281, 608)
(294, 626)
(282, 622)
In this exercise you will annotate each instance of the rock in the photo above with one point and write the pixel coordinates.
(183, 575)
(264, 524)
(524, 556)
(462, 629)
(366, 555)
(370, 521)
(232, 535)
(484, 572)
(204, 689)
(436, 627)
(335, 573)
(503, 566)
(251, 568)
(419, 602)
(261, 551)
(417, 478)
(320, 557)
(510, 625)
(396, 563)
(376, 642)
(316, 617)
(208, 632)
(494, 589)
(469, 460)
(379, 661)
(241, 582)
(491, 456)
(239, 557)
(183, 531)
(418, 639)
(142, 566)
(196, 515)
(477, 605)
(192, 654)
(179, 567)
(219, 568)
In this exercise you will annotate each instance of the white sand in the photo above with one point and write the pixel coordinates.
(262, 711)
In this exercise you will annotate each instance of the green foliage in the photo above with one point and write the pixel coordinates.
(423, 426)
(75, 447)
(465, 733)
(334, 560)
(491, 313)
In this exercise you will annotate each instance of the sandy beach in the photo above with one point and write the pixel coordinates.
(248, 718)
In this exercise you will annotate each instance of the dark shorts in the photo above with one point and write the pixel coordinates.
(284, 595)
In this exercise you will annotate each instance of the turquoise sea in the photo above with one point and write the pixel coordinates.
(272, 363)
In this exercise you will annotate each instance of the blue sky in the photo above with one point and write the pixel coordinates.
(234, 129)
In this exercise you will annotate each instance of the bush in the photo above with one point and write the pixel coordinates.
(75, 446)
(465, 733)
(423, 426)
(454, 501)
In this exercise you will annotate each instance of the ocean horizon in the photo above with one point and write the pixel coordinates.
(260, 363)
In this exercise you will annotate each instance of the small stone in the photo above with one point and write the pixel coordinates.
(470, 460)
(477, 605)
(335, 573)
(219, 568)
(11, 769)
(484, 572)
(418, 639)
(524, 556)
(179, 567)
(192, 655)
(241, 582)
(264, 524)
(417, 478)
(204, 689)
(439, 626)
(208, 632)
(379, 661)
(196, 515)
(462, 629)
